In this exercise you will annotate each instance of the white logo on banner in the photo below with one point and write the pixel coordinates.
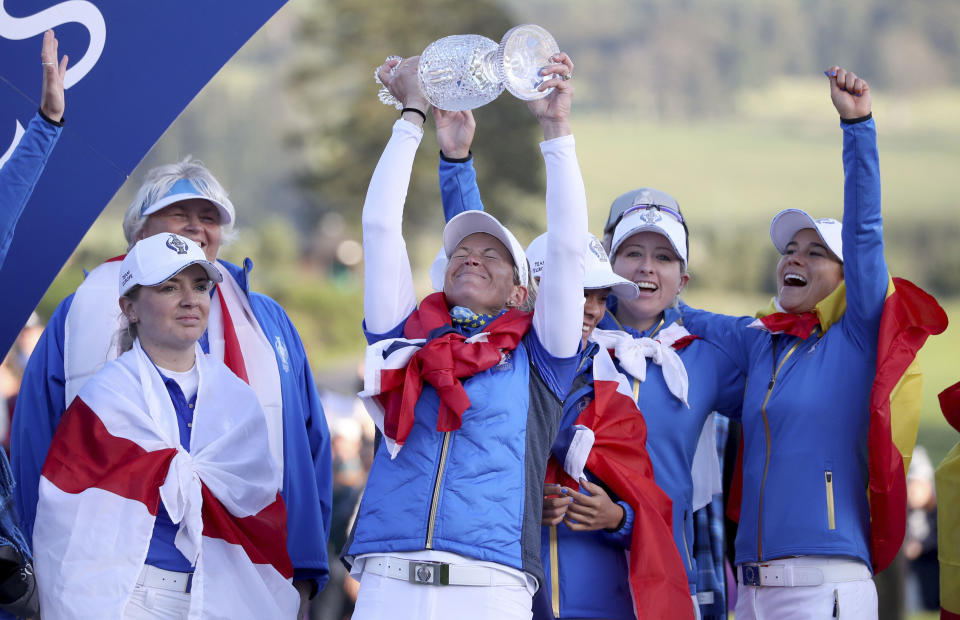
(79, 11)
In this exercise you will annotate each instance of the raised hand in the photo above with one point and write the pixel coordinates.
(52, 101)
(554, 504)
(849, 93)
(591, 512)
(403, 83)
(553, 111)
(455, 132)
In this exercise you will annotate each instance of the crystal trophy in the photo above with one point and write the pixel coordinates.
(466, 71)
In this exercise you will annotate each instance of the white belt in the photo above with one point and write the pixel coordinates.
(153, 577)
(439, 573)
(812, 573)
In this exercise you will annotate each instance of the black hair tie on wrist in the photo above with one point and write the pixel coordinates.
(420, 112)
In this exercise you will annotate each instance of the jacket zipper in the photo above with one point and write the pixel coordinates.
(431, 522)
(831, 518)
(554, 572)
(683, 535)
(766, 430)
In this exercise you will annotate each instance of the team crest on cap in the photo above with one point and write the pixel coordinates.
(651, 216)
(597, 249)
(176, 244)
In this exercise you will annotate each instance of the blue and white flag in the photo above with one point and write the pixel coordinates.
(134, 66)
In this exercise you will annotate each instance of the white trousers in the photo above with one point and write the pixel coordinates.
(384, 598)
(148, 603)
(847, 600)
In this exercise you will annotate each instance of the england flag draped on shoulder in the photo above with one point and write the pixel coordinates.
(117, 454)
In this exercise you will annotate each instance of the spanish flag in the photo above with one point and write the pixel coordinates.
(948, 512)
(910, 316)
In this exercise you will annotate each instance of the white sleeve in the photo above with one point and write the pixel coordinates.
(388, 295)
(558, 313)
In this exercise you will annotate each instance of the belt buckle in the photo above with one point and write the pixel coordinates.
(751, 574)
(430, 573)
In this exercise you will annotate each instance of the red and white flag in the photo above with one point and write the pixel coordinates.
(117, 453)
(611, 443)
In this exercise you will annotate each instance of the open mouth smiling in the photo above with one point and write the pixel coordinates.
(794, 279)
(647, 286)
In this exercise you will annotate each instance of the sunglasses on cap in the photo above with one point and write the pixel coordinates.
(669, 210)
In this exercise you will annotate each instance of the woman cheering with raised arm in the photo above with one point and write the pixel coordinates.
(466, 387)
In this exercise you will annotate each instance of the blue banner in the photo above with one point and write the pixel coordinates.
(134, 66)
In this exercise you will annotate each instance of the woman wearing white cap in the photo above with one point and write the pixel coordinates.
(606, 539)
(466, 387)
(159, 497)
(807, 532)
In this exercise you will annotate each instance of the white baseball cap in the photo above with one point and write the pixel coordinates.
(187, 189)
(656, 218)
(158, 258)
(790, 221)
(470, 222)
(597, 272)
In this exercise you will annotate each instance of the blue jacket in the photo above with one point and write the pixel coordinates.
(591, 574)
(307, 482)
(672, 429)
(476, 491)
(805, 410)
(20, 174)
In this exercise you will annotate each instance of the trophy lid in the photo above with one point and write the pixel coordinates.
(523, 51)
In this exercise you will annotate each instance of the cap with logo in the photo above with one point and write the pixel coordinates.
(633, 198)
(188, 189)
(664, 220)
(158, 258)
(597, 272)
(789, 222)
(470, 222)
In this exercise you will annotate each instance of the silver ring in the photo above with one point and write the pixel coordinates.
(52, 64)
(567, 77)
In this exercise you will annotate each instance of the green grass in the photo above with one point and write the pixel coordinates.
(751, 169)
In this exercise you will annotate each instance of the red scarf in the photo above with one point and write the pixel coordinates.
(443, 362)
(794, 324)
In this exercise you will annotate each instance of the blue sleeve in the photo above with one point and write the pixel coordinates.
(728, 333)
(623, 536)
(20, 174)
(557, 372)
(308, 464)
(864, 267)
(40, 404)
(318, 435)
(731, 383)
(458, 188)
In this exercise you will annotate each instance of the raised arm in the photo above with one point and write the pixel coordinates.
(864, 266)
(458, 179)
(20, 173)
(387, 280)
(558, 313)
